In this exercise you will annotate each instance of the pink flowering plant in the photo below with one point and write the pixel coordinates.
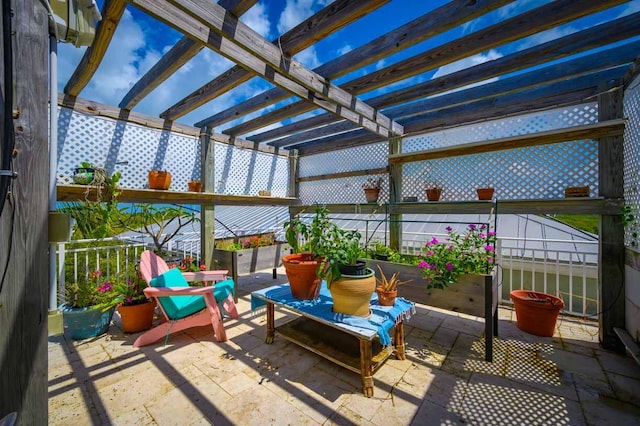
(126, 293)
(472, 252)
(93, 291)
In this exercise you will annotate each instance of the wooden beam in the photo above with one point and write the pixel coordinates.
(523, 25)
(328, 20)
(112, 11)
(585, 40)
(437, 21)
(550, 74)
(588, 131)
(101, 110)
(77, 193)
(175, 58)
(208, 23)
(611, 251)
(340, 175)
(541, 207)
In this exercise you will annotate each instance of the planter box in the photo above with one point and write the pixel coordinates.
(246, 261)
(473, 294)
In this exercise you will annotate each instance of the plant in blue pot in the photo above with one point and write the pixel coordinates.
(84, 314)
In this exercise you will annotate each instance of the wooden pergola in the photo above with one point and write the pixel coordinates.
(560, 72)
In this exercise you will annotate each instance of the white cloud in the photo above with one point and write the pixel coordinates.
(344, 50)
(258, 19)
(467, 63)
(296, 11)
(308, 57)
(630, 8)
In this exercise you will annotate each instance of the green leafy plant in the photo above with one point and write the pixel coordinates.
(372, 183)
(631, 221)
(91, 292)
(345, 249)
(467, 253)
(127, 293)
(389, 284)
(316, 236)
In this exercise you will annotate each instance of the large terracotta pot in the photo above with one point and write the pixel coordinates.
(352, 294)
(138, 317)
(302, 275)
(536, 312)
(159, 179)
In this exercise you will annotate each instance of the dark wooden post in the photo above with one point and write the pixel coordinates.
(611, 248)
(395, 194)
(294, 186)
(24, 291)
(207, 212)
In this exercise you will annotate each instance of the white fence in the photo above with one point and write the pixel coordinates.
(570, 275)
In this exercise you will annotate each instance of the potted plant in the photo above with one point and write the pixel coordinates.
(194, 185)
(83, 313)
(433, 188)
(372, 189)
(159, 179)
(135, 310)
(485, 193)
(380, 251)
(387, 289)
(302, 265)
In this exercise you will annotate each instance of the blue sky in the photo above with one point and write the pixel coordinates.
(140, 41)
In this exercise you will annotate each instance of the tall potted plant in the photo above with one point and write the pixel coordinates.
(302, 265)
(135, 310)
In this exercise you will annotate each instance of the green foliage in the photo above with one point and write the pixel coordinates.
(94, 291)
(585, 222)
(317, 235)
(468, 253)
(631, 221)
(127, 293)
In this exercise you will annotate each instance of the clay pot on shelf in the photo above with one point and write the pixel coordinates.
(433, 194)
(386, 297)
(485, 193)
(371, 194)
(195, 186)
(159, 179)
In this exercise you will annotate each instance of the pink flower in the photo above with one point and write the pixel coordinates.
(491, 233)
(490, 259)
(423, 265)
(449, 266)
(434, 240)
(430, 253)
(450, 248)
(449, 229)
(472, 227)
(489, 247)
(203, 267)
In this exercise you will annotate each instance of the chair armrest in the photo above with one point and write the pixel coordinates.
(177, 291)
(217, 275)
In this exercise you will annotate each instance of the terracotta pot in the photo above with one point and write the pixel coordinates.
(371, 194)
(136, 318)
(352, 294)
(386, 298)
(536, 312)
(194, 186)
(485, 193)
(433, 194)
(159, 179)
(302, 275)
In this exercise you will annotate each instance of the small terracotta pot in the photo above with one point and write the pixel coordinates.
(371, 194)
(485, 193)
(433, 194)
(194, 186)
(159, 179)
(386, 298)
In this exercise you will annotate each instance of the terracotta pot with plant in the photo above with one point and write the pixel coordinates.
(135, 310)
(485, 193)
(372, 189)
(433, 188)
(302, 266)
(194, 185)
(159, 179)
(387, 289)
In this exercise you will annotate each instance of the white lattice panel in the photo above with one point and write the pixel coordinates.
(107, 142)
(372, 156)
(632, 147)
(340, 191)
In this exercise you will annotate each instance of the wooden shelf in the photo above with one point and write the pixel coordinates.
(78, 193)
(599, 205)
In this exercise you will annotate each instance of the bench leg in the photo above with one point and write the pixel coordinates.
(398, 341)
(366, 370)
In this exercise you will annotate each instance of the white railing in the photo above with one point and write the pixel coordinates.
(526, 264)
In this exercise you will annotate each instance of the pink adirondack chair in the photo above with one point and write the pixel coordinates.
(183, 306)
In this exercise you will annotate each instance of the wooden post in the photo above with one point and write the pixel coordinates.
(611, 247)
(207, 212)
(395, 194)
(294, 186)
(24, 293)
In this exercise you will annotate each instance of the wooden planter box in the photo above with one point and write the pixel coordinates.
(246, 261)
(473, 294)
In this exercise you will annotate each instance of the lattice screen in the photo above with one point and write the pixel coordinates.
(526, 173)
(134, 150)
(632, 148)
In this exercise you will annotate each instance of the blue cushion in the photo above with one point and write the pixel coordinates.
(178, 307)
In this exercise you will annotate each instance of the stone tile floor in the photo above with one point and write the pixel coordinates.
(193, 380)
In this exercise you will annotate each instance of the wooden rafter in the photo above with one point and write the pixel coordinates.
(175, 58)
(534, 21)
(328, 20)
(428, 25)
(589, 131)
(209, 23)
(588, 39)
(112, 11)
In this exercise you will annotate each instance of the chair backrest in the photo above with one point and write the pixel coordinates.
(151, 265)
